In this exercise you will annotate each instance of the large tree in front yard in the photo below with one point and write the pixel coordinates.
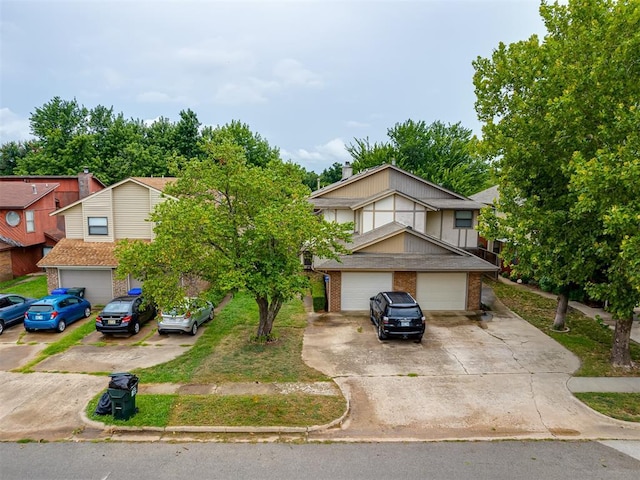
(561, 116)
(237, 226)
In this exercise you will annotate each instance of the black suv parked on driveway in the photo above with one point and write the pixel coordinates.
(397, 314)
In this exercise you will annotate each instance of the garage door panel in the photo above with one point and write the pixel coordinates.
(442, 291)
(359, 287)
(98, 284)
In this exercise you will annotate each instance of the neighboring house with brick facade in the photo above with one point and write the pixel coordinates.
(409, 234)
(27, 232)
(85, 258)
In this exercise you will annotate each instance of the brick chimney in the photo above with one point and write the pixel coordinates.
(84, 182)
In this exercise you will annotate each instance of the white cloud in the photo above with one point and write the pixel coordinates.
(249, 91)
(320, 157)
(12, 127)
(291, 72)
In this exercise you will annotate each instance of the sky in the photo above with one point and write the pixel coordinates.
(308, 76)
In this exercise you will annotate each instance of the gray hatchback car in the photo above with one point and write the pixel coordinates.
(185, 318)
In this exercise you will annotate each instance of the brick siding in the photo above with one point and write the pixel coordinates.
(335, 291)
(52, 279)
(405, 282)
(474, 290)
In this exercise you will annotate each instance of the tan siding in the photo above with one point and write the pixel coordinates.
(394, 244)
(417, 245)
(131, 207)
(434, 224)
(366, 187)
(98, 206)
(73, 222)
(415, 188)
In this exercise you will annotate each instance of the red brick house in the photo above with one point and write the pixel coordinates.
(27, 231)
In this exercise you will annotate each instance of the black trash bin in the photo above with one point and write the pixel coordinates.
(77, 291)
(122, 390)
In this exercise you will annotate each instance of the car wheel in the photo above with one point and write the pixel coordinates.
(61, 326)
(210, 315)
(87, 312)
(1, 327)
(136, 327)
(381, 335)
(419, 339)
(161, 332)
(28, 329)
(194, 328)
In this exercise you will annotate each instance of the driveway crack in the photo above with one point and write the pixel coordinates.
(535, 403)
(457, 360)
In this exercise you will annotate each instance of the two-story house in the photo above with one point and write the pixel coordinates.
(27, 232)
(85, 258)
(409, 234)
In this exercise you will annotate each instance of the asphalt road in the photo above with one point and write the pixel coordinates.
(507, 460)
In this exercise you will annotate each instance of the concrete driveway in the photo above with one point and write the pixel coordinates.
(47, 404)
(467, 380)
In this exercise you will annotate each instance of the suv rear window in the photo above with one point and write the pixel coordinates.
(404, 312)
(40, 308)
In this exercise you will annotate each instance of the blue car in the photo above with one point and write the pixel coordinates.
(12, 309)
(55, 312)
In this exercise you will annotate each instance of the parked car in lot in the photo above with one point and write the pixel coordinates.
(125, 314)
(186, 317)
(397, 314)
(55, 312)
(12, 309)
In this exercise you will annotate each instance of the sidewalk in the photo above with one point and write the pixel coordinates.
(582, 384)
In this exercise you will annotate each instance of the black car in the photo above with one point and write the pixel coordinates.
(397, 314)
(125, 315)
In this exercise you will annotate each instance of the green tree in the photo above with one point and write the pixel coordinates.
(331, 175)
(443, 154)
(12, 152)
(560, 115)
(237, 226)
(256, 149)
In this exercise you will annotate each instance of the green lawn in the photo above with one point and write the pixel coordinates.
(29, 286)
(224, 353)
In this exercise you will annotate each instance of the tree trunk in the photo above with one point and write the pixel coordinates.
(620, 353)
(268, 312)
(561, 311)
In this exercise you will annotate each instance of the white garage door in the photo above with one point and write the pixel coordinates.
(442, 291)
(99, 289)
(358, 287)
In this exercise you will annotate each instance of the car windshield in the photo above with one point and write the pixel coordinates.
(117, 307)
(40, 308)
(404, 312)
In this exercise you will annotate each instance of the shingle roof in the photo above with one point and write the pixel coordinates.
(487, 196)
(413, 262)
(20, 195)
(155, 182)
(76, 252)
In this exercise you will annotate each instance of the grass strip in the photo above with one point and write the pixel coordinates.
(623, 406)
(293, 410)
(28, 286)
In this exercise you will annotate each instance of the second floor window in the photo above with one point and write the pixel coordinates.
(98, 226)
(464, 219)
(31, 221)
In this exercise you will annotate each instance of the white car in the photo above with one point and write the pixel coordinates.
(186, 317)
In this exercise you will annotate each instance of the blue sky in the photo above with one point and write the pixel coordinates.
(309, 76)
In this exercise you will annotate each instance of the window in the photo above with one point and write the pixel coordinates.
(464, 219)
(31, 221)
(98, 226)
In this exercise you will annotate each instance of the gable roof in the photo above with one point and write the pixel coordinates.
(371, 171)
(155, 183)
(78, 253)
(19, 195)
(358, 242)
